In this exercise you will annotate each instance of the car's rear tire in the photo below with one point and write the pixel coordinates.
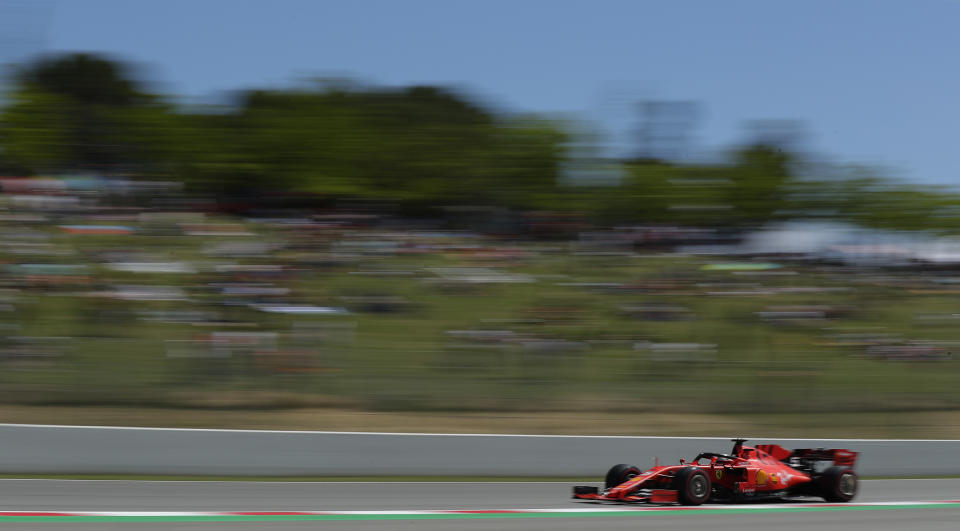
(620, 473)
(838, 484)
(693, 486)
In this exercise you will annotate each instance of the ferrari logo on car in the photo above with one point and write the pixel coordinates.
(719, 473)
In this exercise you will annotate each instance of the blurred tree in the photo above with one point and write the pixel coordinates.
(523, 166)
(749, 191)
(210, 155)
(35, 131)
(72, 111)
(420, 145)
(760, 178)
(84, 78)
(857, 195)
(646, 194)
(904, 207)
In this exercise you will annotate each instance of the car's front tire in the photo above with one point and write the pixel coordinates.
(620, 473)
(693, 486)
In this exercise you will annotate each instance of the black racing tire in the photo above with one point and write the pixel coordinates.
(838, 484)
(693, 486)
(620, 473)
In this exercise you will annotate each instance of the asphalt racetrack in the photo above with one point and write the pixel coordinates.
(917, 505)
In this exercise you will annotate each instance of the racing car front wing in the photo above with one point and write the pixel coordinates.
(585, 492)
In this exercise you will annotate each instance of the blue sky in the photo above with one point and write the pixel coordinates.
(873, 82)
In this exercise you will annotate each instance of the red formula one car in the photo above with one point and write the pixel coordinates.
(747, 473)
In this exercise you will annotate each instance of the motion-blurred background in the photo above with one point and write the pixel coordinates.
(585, 217)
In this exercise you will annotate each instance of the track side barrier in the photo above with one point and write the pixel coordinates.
(40, 449)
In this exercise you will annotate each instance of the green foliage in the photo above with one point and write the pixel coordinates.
(36, 131)
(867, 200)
(420, 144)
(760, 175)
(70, 111)
(747, 192)
(84, 79)
(423, 147)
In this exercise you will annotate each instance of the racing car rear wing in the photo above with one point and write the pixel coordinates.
(839, 457)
